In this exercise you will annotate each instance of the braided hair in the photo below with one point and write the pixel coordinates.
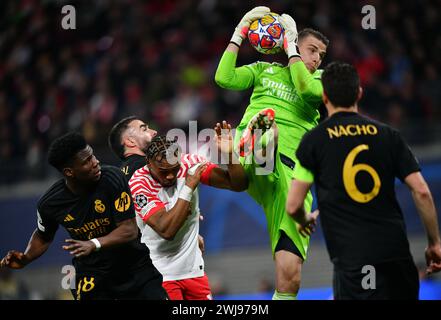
(161, 148)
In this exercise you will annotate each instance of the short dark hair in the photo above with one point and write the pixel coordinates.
(115, 134)
(341, 84)
(161, 146)
(63, 149)
(311, 32)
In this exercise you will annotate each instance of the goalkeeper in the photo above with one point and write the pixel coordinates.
(290, 96)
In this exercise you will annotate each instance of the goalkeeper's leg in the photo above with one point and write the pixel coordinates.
(289, 261)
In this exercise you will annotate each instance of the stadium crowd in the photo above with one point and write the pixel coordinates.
(156, 59)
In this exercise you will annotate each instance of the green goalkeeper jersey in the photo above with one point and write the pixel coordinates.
(293, 92)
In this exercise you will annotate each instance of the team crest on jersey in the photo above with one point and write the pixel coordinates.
(99, 206)
(123, 202)
(141, 200)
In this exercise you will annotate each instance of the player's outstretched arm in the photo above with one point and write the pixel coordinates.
(308, 86)
(227, 75)
(126, 231)
(426, 208)
(234, 178)
(18, 260)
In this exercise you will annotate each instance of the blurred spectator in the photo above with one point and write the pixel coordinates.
(266, 285)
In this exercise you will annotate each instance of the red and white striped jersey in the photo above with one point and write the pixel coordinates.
(181, 257)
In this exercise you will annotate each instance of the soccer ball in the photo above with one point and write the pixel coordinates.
(266, 34)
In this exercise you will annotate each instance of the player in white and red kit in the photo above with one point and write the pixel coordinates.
(167, 207)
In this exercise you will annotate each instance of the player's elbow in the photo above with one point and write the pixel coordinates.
(220, 79)
(310, 95)
(422, 192)
(128, 230)
(131, 234)
(165, 233)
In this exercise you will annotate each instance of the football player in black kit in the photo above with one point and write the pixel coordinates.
(94, 205)
(353, 162)
(129, 139)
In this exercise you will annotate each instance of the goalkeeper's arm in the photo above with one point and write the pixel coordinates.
(309, 87)
(227, 75)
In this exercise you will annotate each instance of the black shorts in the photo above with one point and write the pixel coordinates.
(140, 285)
(285, 243)
(394, 280)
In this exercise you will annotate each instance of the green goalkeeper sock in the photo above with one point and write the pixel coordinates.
(284, 296)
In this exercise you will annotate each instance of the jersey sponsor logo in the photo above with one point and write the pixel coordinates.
(125, 170)
(141, 200)
(91, 229)
(279, 90)
(68, 218)
(122, 204)
(352, 130)
(99, 206)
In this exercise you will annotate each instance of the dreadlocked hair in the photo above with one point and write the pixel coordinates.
(162, 148)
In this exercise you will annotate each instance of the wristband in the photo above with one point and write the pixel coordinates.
(186, 193)
(97, 244)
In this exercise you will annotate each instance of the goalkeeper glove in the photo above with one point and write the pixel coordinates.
(290, 37)
(241, 30)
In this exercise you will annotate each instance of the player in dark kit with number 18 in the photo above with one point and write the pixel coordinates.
(353, 161)
(94, 205)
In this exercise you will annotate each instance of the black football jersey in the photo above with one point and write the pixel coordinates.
(131, 164)
(355, 161)
(94, 215)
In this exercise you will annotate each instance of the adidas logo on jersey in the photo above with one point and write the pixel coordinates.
(68, 218)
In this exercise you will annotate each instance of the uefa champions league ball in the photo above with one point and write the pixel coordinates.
(266, 34)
